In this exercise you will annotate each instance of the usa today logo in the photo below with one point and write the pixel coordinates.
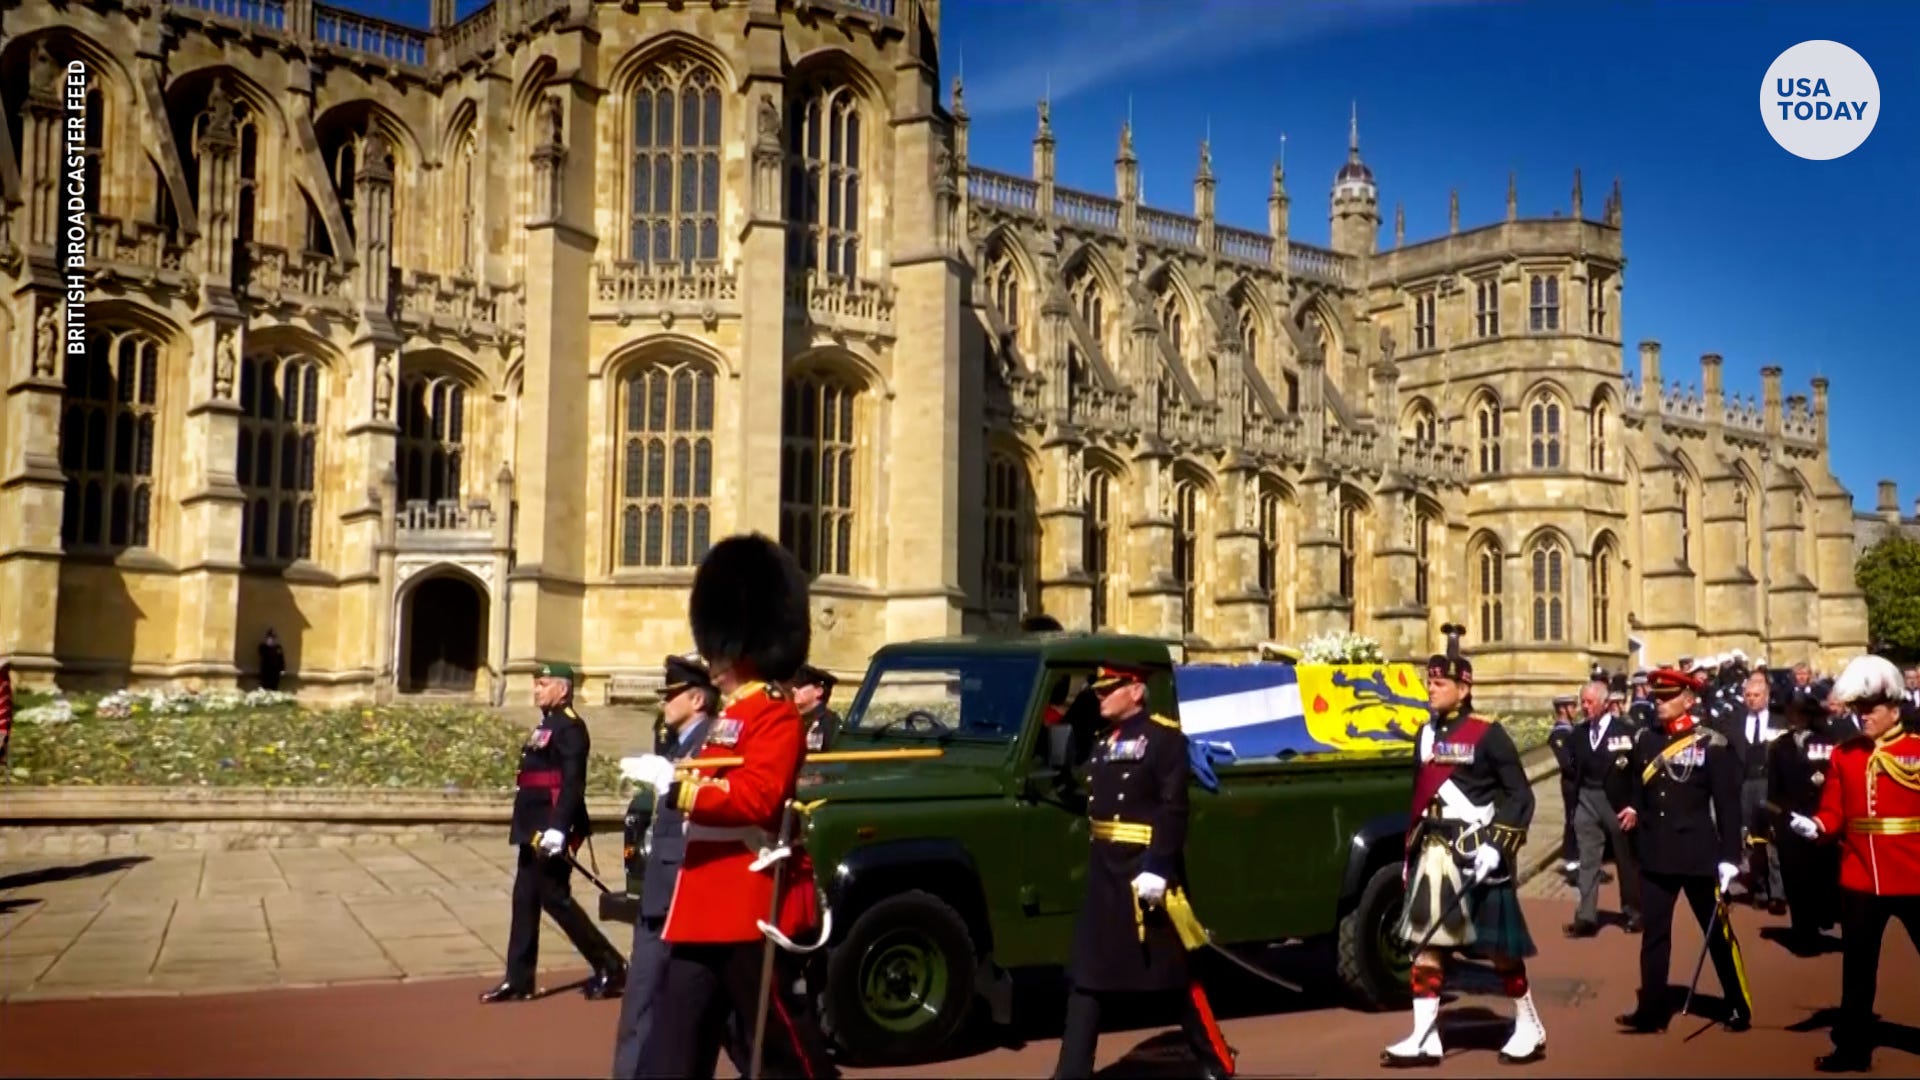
(1820, 100)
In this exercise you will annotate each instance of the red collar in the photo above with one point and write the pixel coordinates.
(1681, 724)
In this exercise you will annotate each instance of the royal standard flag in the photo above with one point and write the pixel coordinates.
(1275, 710)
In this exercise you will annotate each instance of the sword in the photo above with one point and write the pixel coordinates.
(766, 956)
(1452, 909)
(1192, 934)
(535, 845)
(1706, 945)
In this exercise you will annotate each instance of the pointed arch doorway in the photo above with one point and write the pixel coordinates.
(443, 638)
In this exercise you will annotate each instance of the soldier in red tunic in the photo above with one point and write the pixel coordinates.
(752, 624)
(1871, 805)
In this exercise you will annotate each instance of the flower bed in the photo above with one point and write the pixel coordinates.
(230, 739)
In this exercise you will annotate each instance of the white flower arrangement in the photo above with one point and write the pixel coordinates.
(1342, 647)
(125, 704)
(57, 711)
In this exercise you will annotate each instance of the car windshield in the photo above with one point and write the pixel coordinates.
(976, 697)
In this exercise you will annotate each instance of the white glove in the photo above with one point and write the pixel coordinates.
(1805, 826)
(650, 769)
(769, 856)
(1486, 859)
(1728, 872)
(1150, 888)
(552, 841)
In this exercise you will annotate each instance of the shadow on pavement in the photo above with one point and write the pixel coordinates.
(1817, 945)
(49, 874)
(1886, 1034)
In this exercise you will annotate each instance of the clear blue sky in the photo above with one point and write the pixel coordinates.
(1733, 245)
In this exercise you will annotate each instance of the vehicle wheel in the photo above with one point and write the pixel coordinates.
(1373, 962)
(900, 985)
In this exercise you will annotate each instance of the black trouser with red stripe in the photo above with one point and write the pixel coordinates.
(540, 883)
(1082, 1032)
(1863, 924)
(704, 986)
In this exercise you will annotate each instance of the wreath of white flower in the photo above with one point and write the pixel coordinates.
(1342, 647)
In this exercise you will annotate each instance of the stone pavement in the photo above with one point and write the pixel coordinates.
(246, 920)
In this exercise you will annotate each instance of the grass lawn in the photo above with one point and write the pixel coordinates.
(262, 741)
(1528, 730)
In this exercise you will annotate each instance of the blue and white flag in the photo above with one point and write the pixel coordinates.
(1279, 710)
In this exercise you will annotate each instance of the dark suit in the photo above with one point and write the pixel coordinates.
(552, 794)
(1797, 767)
(1688, 808)
(648, 965)
(1762, 864)
(1559, 740)
(1600, 775)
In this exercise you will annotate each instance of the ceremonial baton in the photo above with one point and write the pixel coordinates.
(1706, 944)
(831, 757)
(766, 956)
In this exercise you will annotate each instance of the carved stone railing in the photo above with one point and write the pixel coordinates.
(1243, 245)
(1101, 410)
(1276, 436)
(446, 524)
(471, 37)
(1175, 230)
(886, 10)
(1682, 403)
(274, 274)
(648, 289)
(842, 303)
(457, 303)
(353, 32)
(133, 248)
(266, 14)
(1745, 415)
(1089, 211)
(1320, 264)
(1426, 460)
(1355, 448)
(1799, 425)
(1632, 398)
(991, 188)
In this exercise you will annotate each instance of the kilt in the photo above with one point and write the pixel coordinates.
(1487, 923)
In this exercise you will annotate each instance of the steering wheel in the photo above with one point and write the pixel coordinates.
(915, 719)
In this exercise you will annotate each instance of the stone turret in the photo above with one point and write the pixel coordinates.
(1356, 200)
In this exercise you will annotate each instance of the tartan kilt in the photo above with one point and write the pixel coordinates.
(1488, 922)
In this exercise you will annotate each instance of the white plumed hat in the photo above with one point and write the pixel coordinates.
(1869, 679)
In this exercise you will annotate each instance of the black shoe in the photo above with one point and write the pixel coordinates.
(1776, 907)
(1844, 1061)
(506, 991)
(1739, 1020)
(606, 984)
(1580, 928)
(1634, 922)
(1639, 1022)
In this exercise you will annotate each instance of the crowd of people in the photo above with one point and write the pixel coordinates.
(1754, 772)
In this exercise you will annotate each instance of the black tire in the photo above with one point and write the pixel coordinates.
(1373, 963)
(900, 985)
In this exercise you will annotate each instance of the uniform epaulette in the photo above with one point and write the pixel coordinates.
(568, 710)
(1166, 721)
(775, 691)
(1711, 736)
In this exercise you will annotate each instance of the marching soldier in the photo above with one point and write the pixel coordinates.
(812, 688)
(1471, 809)
(1601, 750)
(1871, 804)
(549, 824)
(1126, 940)
(688, 701)
(1685, 814)
(744, 884)
(1559, 741)
(1797, 767)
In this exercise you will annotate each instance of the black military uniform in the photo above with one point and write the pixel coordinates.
(552, 797)
(1797, 767)
(1558, 742)
(1137, 803)
(1686, 801)
(1602, 753)
(665, 849)
(823, 724)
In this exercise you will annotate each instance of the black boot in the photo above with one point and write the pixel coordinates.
(1645, 1019)
(1844, 1060)
(506, 991)
(609, 980)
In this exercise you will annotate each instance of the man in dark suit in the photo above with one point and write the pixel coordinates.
(1751, 729)
(688, 703)
(549, 821)
(1600, 751)
(1558, 740)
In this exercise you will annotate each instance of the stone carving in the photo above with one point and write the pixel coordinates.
(383, 387)
(406, 568)
(43, 74)
(377, 155)
(220, 119)
(1046, 116)
(553, 121)
(46, 344)
(769, 123)
(1386, 344)
(826, 616)
(223, 367)
(1166, 486)
(1075, 479)
(1250, 506)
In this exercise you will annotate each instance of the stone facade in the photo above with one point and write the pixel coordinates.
(444, 351)
(1870, 529)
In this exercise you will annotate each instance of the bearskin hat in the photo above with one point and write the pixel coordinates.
(749, 607)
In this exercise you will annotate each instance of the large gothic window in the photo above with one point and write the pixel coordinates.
(1543, 431)
(1486, 575)
(666, 465)
(466, 193)
(1597, 436)
(1548, 564)
(818, 482)
(1543, 311)
(1273, 572)
(1422, 559)
(192, 128)
(674, 196)
(1349, 538)
(433, 437)
(277, 463)
(1186, 550)
(1098, 554)
(1008, 536)
(1486, 434)
(1172, 313)
(825, 193)
(1003, 285)
(1600, 591)
(110, 413)
(1089, 300)
(1422, 426)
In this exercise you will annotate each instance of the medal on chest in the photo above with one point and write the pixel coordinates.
(1819, 752)
(1619, 743)
(1133, 749)
(539, 737)
(1445, 752)
(1691, 757)
(816, 738)
(726, 732)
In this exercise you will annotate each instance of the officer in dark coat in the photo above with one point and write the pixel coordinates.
(1125, 940)
(549, 822)
(1797, 767)
(812, 689)
(1685, 820)
(688, 704)
(1557, 740)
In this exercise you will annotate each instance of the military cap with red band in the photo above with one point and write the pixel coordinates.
(1114, 676)
(1669, 682)
(1451, 664)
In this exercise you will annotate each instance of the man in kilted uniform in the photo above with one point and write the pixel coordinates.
(1601, 749)
(688, 702)
(742, 886)
(1125, 941)
(1685, 816)
(1870, 804)
(1797, 767)
(549, 822)
(1471, 809)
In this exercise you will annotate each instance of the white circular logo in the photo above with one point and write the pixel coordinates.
(1820, 100)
